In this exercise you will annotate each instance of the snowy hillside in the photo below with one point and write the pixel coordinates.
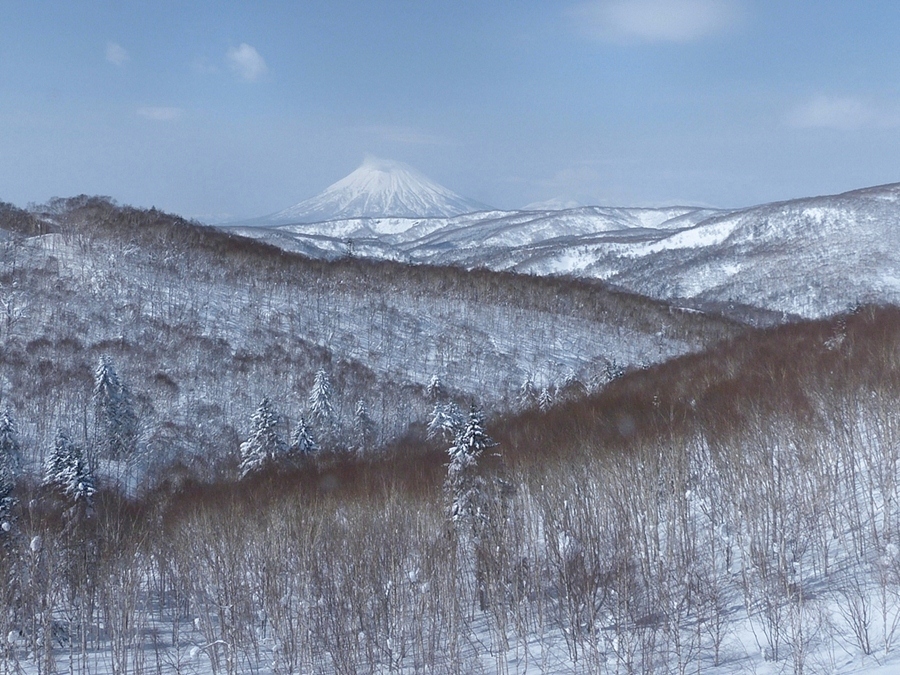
(728, 512)
(204, 325)
(808, 257)
(377, 188)
(495, 239)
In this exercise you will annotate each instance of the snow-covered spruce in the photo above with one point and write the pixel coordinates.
(613, 370)
(446, 421)
(321, 405)
(572, 388)
(264, 445)
(67, 472)
(435, 391)
(10, 462)
(303, 442)
(546, 399)
(115, 417)
(527, 396)
(363, 427)
(464, 485)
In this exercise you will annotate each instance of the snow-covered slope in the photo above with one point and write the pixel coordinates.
(378, 188)
(807, 257)
(204, 326)
(810, 257)
(495, 239)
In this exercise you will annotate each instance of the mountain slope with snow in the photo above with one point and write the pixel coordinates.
(378, 188)
(206, 325)
(808, 257)
(493, 239)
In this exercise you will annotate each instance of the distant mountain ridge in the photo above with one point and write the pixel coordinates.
(378, 188)
(806, 257)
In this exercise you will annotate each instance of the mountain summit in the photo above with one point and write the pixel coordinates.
(378, 188)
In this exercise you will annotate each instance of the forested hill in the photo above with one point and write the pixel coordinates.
(202, 325)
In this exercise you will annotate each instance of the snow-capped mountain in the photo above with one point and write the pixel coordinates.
(808, 257)
(378, 188)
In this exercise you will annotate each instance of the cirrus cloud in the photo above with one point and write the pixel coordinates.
(160, 114)
(842, 113)
(246, 62)
(116, 54)
(679, 21)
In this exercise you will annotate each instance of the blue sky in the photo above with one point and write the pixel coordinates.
(234, 109)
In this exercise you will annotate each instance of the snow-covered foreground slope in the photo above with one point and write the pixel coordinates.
(807, 257)
(707, 515)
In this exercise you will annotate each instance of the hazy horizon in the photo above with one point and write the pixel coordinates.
(227, 111)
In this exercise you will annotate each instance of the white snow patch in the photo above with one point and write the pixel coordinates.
(695, 237)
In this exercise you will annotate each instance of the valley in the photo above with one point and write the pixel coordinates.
(434, 338)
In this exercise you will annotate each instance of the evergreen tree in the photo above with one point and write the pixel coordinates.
(67, 472)
(478, 500)
(115, 416)
(435, 391)
(303, 443)
(264, 445)
(321, 399)
(321, 405)
(545, 402)
(613, 370)
(363, 427)
(572, 388)
(446, 421)
(527, 396)
(10, 463)
(465, 486)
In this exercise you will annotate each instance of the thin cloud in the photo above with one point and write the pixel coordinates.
(406, 135)
(843, 114)
(246, 63)
(160, 114)
(203, 66)
(582, 182)
(679, 21)
(116, 54)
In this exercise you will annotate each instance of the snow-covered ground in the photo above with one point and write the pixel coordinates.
(691, 556)
(770, 547)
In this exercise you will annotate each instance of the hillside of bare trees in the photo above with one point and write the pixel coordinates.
(728, 510)
(203, 325)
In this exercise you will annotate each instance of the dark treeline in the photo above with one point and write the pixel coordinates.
(785, 369)
(21, 222)
(209, 248)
